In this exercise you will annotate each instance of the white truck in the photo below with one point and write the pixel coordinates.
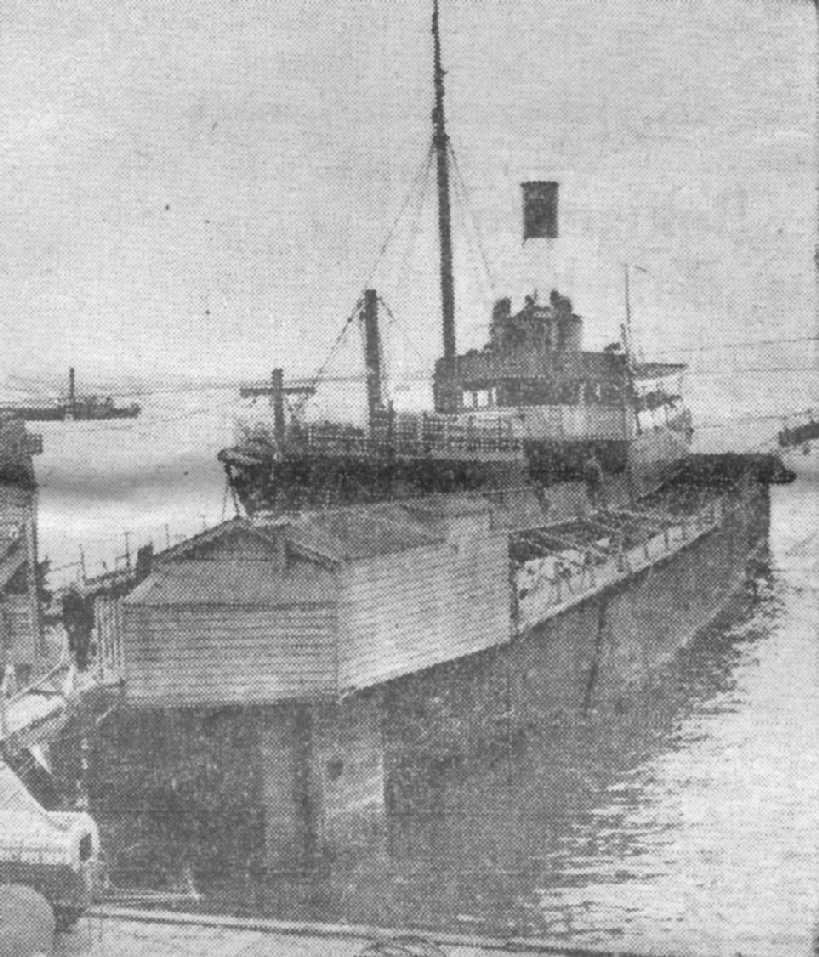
(57, 853)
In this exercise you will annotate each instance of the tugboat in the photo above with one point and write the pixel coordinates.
(74, 407)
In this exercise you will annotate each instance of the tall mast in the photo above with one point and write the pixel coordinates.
(440, 141)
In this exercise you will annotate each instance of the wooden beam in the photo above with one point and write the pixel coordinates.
(258, 389)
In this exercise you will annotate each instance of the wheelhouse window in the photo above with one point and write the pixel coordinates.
(479, 398)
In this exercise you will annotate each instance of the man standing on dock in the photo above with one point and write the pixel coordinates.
(78, 621)
(593, 477)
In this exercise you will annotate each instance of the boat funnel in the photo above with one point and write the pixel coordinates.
(539, 210)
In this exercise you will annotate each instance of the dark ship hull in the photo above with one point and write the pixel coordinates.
(29, 413)
(63, 413)
(94, 411)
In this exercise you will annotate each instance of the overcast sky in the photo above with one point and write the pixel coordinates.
(203, 186)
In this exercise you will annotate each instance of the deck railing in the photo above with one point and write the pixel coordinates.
(420, 435)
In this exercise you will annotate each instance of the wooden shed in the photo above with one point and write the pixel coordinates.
(254, 612)
(21, 639)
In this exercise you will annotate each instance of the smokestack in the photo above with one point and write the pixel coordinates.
(71, 394)
(539, 210)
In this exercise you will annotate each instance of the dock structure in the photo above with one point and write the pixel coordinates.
(21, 634)
(140, 933)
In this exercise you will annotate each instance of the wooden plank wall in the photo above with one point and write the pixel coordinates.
(215, 655)
(108, 623)
(24, 630)
(414, 609)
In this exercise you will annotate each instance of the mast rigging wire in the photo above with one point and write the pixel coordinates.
(394, 321)
(462, 209)
(418, 179)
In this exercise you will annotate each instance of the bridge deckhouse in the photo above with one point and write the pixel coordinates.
(534, 367)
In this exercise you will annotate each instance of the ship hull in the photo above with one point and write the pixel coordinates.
(803, 460)
(94, 413)
(64, 414)
(35, 413)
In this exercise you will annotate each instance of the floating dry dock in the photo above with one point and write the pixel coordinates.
(285, 655)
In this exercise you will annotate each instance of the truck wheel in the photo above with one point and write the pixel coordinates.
(66, 917)
(26, 922)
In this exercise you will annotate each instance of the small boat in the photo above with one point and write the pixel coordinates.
(74, 407)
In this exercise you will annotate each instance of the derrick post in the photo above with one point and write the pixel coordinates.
(277, 401)
(440, 141)
(372, 338)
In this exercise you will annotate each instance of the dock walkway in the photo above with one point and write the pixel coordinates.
(110, 932)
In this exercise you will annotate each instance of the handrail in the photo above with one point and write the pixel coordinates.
(436, 439)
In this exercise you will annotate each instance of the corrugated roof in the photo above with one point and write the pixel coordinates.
(360, 531)
(209, 535)
(234, 582)
(185, 574)
(446, 505)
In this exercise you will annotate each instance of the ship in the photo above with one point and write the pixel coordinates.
(530, 410)
(74, 407)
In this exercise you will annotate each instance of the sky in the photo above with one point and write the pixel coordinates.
(200, 189)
